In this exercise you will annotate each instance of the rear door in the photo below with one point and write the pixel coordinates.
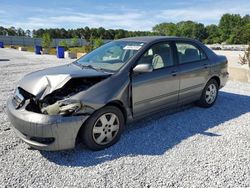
(193, 71)
(157, 89)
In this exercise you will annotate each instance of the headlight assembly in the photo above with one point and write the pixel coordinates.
(62, 107)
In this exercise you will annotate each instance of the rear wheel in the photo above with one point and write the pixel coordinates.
(103, 128)
(209, 94)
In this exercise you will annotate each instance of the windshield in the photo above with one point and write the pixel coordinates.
(111, 56)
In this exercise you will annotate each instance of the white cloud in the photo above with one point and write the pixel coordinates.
(129, 20)
(122, 17)
(206, 15)
(191, 14)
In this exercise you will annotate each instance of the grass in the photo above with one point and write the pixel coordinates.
(77, 49)
(52, 51)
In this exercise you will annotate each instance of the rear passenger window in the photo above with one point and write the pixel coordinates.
(189, 53)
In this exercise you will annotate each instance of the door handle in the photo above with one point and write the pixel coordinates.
(174, 73)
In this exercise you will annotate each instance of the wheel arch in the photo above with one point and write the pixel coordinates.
(217, 79)
(120, 106)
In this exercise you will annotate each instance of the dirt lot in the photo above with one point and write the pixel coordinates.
(194, 147)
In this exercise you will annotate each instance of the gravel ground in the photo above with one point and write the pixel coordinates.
(193, 147)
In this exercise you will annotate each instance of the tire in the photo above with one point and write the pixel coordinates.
(99, 132)
(211, 90)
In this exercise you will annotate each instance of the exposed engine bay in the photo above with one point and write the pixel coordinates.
(72, 87)
(58, 102)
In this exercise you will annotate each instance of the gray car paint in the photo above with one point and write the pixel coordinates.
(44, 82)
(136, 94)
(28, 124)
(154, 90)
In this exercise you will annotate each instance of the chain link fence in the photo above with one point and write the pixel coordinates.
(27, 41)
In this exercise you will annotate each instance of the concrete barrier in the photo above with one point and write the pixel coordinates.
(236, 71)
(13, 47)
(239, 74)
(22, 49)
(70, 55)
(234, 47)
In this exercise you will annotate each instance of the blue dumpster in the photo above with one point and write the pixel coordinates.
(38, 49)
(1, 45)
(60, 51)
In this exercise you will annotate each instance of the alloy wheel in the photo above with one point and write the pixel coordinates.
(105, 128)
(211, 93)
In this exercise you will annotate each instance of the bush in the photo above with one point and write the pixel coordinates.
(87, 48)
(64, 44)
(74, 41)
(46, 40)
(77, 49)
(93, 44)
(245, 59)
(97, 43)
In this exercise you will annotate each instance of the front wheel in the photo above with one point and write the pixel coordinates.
(103, 128)
(209, 94)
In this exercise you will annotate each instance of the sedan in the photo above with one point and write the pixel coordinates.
(94, 97)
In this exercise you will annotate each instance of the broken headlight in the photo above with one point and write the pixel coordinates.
(62, 107)
(18, 99)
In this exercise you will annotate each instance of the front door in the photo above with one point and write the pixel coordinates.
(158, 89)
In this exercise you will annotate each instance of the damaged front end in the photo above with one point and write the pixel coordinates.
(59, 101)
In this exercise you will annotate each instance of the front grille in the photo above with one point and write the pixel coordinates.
(43, 140)
(33, 107)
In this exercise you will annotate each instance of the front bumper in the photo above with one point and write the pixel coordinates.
(45, 132)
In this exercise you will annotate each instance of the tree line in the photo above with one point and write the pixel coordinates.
(232, 29)
(84, 33)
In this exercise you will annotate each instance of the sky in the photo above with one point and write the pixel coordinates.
(114, 14)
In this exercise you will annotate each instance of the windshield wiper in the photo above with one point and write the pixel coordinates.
(85, 66)
(92, 67)
(88, 66)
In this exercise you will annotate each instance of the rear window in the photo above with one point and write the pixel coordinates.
(189, 53)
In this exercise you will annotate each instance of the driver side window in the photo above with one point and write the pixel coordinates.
(159, 56)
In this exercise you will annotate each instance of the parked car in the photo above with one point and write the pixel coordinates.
(94, 97)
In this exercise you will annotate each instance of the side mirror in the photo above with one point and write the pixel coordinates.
(143, 68)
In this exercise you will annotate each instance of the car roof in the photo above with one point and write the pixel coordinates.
(148, 39)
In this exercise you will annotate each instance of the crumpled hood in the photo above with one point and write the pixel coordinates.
(44, 82)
